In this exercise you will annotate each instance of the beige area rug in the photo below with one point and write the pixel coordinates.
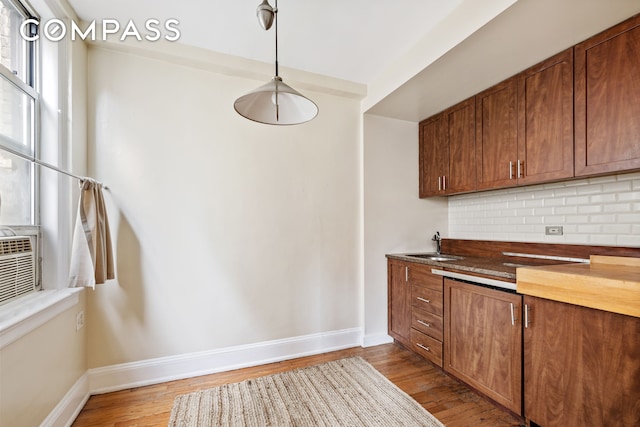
(347, 392)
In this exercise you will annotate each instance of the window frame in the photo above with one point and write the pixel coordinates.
(30, 87)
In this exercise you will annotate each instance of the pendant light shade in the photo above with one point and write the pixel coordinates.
(265, 14)
(275, 103)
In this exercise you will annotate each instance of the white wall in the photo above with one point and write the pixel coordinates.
(593, 211)
(227, 232)
(395, 218)
(37, 370)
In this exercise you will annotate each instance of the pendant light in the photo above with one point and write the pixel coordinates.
(275, 103)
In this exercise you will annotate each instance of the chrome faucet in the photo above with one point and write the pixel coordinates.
(436, 238)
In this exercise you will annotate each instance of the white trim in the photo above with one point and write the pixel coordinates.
(66, 411)
(374, 340)
(154, 371)
(22, 316)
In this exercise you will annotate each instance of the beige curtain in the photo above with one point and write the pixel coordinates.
(92, 260)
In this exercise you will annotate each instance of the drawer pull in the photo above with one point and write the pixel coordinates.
(423, 347)
(428, 301)
(422, 322)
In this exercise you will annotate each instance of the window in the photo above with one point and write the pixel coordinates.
(19, 125)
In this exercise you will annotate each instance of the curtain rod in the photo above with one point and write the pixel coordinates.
(48, 165)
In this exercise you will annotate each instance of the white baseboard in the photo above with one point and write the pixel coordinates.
(70, 406)
(154, 371)
(378, 339)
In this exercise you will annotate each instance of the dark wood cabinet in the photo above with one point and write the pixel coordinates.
(426, 313)
(607, 101)
(525, 126)
(572, 115)
(399, 301)
(497, 135)
(545, 121)
(415, 308)
(433, 155)
(582, 366)
(447, 151)
(483, 340)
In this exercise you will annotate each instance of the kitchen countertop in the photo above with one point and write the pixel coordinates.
(502, 268)
(608, 283)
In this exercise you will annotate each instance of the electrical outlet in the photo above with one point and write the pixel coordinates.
(554, 230)
(79, 320)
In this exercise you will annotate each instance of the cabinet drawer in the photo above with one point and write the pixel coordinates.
(427, 347)
(426, 299)
(427, 323)
(420, 274)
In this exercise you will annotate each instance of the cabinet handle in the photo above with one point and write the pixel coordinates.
(510, 170)
(406, 273)
(439, 183)
(520, 169)
(513, 314)
(444, 182)
(422, 322)
(423, 347)
(526, 315)
(428, 301)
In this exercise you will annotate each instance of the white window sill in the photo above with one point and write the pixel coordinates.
(20, 317)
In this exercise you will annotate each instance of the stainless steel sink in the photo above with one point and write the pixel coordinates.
(435, 257)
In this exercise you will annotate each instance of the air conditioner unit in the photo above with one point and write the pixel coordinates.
(17, 267)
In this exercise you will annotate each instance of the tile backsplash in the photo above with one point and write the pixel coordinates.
(594, 211)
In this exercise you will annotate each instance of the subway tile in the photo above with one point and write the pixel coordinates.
(543, 211)
(630, 218)
(560, 201)
(578, 200)
(565, 210)
(589, 189)
(589, 209)
(589, 228)
(629, 240)
(603, 198)
(618, 186)
(617, 228)
(629, 197)
(603, 219)
(565, 192)
(603, 239)
(616, 207)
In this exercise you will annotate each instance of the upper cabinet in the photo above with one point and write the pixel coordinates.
(447, 147)
(575, 114)
(497, 135)
(607, 101)
(545, 121)
(525, 126)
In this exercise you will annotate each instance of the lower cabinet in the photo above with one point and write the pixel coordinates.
(582, 366)
(483, 340)
(426, 313)
(399, 301)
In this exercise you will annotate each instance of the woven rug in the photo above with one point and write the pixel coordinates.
(347, 392)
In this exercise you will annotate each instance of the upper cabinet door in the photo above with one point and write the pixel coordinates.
(607, 101)
(434, 152)
(545, 120)
(497, 135)
(461, 135)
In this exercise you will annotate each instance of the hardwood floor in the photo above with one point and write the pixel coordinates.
(453, 403)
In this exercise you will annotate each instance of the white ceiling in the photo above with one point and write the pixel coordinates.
(359, 40)
(348, 39)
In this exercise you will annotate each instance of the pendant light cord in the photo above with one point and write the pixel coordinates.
(276, 17)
